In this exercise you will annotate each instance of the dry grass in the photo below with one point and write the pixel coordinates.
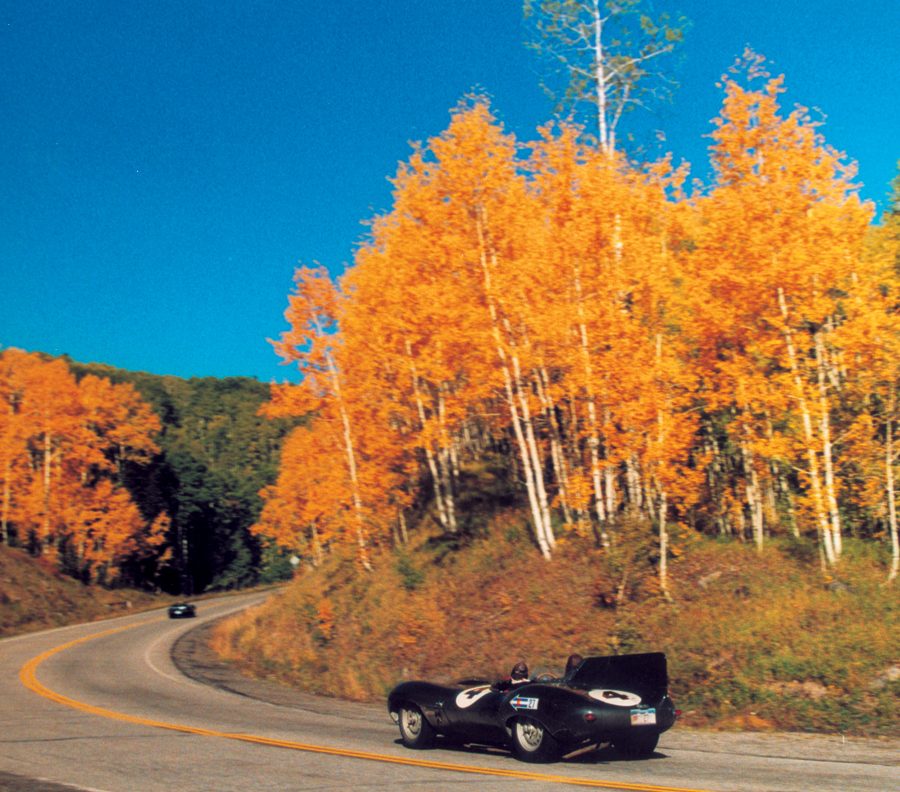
(754, 641)
(35, 596)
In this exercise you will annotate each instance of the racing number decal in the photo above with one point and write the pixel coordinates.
(468, 697)
(618, 698)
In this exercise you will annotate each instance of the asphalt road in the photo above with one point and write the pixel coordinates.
(104, 706)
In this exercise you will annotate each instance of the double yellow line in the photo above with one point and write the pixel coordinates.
(28, 677)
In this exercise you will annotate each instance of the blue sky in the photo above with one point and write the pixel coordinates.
(165, 165)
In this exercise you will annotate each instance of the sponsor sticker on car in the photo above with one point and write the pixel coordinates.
(523, 702)
(643, 717)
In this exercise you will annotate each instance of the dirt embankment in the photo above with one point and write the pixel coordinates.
(34, 596)
(754, 641)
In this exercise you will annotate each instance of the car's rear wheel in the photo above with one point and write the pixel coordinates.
(415, 730)
(532, 742)
(637, 746)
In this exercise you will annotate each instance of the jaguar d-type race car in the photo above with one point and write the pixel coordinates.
(621, 700)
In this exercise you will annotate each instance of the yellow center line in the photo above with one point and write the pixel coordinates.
(28, 677)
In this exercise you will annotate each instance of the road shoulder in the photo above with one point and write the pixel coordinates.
(193, 656)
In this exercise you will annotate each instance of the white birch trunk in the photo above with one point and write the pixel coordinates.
(454, 461)
(890, 493)
(609, 477)
(445, 465)
(662, 514)
(825, 429)
(754, 498)
(521, 443)
(350, 454)
(557, 456)
(633, 484)
(436, 486)
(46, 480)
(527, 470)
(354, 483)
(533, 451)
(594, 431)
(7, 499)
(606, 144)
(822, 525)
(429, 453)
(663, 547)
(447, 487)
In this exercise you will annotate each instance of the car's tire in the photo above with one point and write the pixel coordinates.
(415, 730)
(532, 742)
(637, 746)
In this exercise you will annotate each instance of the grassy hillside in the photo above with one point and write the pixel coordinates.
(754, 641)
(35, 596)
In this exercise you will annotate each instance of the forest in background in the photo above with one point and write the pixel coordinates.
(133, 479)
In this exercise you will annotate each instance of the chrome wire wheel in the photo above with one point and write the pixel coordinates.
(411, 722)
(415, 731)
(530, 734)
(531, 742)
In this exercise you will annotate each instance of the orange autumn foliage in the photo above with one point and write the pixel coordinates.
(627, 349)
(62, 444)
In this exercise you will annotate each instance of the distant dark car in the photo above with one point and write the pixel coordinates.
(621, 700)
(182, 610)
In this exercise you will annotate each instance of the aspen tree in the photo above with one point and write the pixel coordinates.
(304, 509)
(475, 164)
(52, 414)
(794, 216)
(869, 337)
(59, 463)
(559, 166)
(15, 374)
(313, 315)
(400, 307)
(606, 55)
(120, 419)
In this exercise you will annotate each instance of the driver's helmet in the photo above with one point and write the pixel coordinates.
(519, 672)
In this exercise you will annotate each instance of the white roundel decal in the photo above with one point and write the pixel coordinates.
(618, 698)
(468, 697)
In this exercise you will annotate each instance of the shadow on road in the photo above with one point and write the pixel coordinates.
(592, 755)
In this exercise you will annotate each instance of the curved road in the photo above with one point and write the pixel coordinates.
(102, 706)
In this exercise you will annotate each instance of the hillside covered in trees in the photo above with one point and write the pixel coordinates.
(128, 478)
(722, 363)
(562, 401)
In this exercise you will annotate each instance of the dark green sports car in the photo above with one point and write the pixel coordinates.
(621, 700)
(182, 610)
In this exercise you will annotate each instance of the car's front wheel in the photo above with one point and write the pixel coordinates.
(415, 730)
(532, 742)
(637, 746)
